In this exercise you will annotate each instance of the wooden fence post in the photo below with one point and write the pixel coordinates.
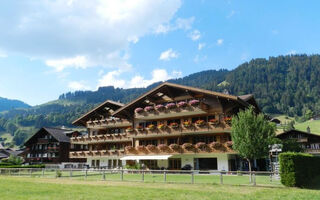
(221, 178)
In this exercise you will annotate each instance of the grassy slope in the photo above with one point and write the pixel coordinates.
(38, 188)
(313, 124)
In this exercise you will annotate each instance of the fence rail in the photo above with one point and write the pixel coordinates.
(164, 176)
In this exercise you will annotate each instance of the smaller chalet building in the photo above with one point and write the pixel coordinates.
(310, 142)
(7, 152)
(50, 146)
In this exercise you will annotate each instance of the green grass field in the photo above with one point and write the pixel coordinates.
(26, 188)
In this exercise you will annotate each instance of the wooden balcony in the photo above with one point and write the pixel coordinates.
(96, 153)
(181, 130)
(186, 148)
(313, 148)
(43, 141)
(117, 137)
(166, 113)
(108, 123)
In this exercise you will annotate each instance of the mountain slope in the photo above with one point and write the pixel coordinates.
(9, 104)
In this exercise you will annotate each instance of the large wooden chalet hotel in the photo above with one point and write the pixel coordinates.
(170, 127)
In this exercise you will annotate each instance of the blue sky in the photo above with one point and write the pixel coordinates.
(51, 47)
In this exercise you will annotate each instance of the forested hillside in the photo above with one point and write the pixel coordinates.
(9, 104)
(282, 85)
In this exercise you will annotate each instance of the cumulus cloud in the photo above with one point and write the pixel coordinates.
(180, 23)
(219, 42)
(201, 46)
(195, 35)
(78, 85)
(168, 55)
(113, 79)
(76, 33)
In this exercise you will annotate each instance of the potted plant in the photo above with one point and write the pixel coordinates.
(151, 127)
(174, 147)
(129, 129)
(228, 120)
(201, 145)
(194, 102)
(171, 105)
(215, 145)
(214, 121)
(161, 126)
(160, 107)
(138, 110)
(200, 122)
(163, 147)
(141, 148)
(174, 125)
(129, 148)
(187, 124)
(187, 146)
(182, 104)
(151, 147)
(229, 144)
(140, 128)
(149, 108)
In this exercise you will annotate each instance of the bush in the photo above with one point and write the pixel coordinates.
(298, 169)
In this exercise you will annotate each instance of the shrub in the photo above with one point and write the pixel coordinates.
(22, 166)
(298, 169)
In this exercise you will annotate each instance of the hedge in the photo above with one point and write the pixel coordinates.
(298, 169)
(22, 166)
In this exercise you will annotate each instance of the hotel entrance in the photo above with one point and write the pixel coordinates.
(205, 164)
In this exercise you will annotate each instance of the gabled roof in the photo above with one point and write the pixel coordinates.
(162, 87)
(58, 133)
(97, 111)
(297, 131)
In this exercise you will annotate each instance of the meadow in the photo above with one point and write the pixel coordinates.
(27, 188)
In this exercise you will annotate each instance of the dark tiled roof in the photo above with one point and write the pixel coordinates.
(58, 133)
(2, 155)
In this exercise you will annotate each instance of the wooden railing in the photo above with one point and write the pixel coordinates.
(116, 137)
(96, 153)
(108, 123)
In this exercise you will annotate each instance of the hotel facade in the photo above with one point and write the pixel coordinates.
(169, 127)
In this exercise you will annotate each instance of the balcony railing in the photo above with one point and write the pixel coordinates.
(116, 137)
(96, 153)
(108, 123)
(186, 148)
(179, 130)
(43, 141)
(312, 148)
(161, 112)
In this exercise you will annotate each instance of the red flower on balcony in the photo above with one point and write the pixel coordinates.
(174, 147)
(151, 147)
(182, 104)
(214, 121)
(151, 127)
(200, 122)
(174, 125)
(163, 147)
(228, 120)
(129, 129)
(187, 124)
(160, 107)
(161, 126)
(140, 128)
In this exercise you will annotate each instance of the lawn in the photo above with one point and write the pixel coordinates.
(25, 188)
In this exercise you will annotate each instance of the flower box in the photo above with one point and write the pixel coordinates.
(163, 147)
(151, 127)
(182, 104)
(140, 128)
(228, 120)
(200, 122)
(187, 124)
(215, 145)
(194, 102)
(160, 107)
(187, 146)
(141, 148)
(161, 126)
(149, 108)
(151, 147)
(171, 105)
(138, 110)
(174, 147)
(174, 125)
(229, 144)
(129, 129)
(214, 121)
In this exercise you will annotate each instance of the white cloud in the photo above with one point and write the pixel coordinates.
(61, 64)
(231, 14)
(219, 42)
(180, 23)
(113, 79)
(195, 35)
(201, 46)
(3, 54)
(78, 85)
(60, 31)
(168, 55)
(199, 58)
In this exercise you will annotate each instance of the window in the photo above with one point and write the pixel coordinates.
(172, 141)
(147, 142)
(175, 163)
